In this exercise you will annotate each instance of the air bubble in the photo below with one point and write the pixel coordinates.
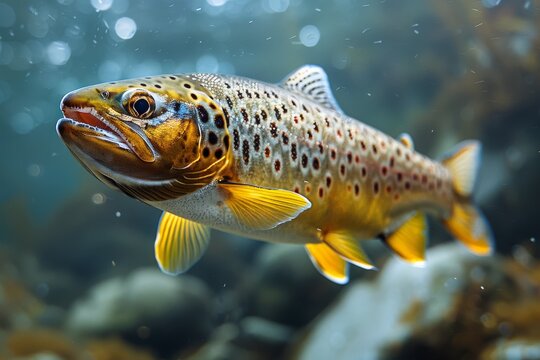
(491, 3)
(58, 52)
(310, 35)
(125, 28)
(34, 170)
(98, 198)
(101, 5)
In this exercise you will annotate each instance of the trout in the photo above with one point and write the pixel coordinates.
(274, 162)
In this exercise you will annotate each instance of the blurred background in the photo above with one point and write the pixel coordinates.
(78, 279)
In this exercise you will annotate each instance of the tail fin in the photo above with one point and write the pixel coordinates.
(466, 222)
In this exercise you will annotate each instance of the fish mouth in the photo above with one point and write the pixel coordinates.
(91, 124)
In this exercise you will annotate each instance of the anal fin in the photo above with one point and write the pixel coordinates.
(348, 248)
(179, 243)
(469, 226)
(328, 262)
(409, 240)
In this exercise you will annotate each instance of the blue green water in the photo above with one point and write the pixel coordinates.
(440, 70)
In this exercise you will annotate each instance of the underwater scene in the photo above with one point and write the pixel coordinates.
(280, 179)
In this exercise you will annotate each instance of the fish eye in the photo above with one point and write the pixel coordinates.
(139, 104)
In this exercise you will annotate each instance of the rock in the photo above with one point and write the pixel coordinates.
(148, 308)
(455, 307)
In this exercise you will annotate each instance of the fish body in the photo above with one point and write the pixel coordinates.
(274, 162)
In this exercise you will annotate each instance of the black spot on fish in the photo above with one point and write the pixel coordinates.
(257, 142)
(157, 86)
(267, 152)
(229, 102)
(212, 138)
(376, 187)
(227, 85)
(248, 93)
(328, 181)
(226, 142)
(257, 119)
(143, 84)
(176, 106)
(240, 95)
(257, 95)
(349, 157)
(193, 96)
(264, 114)
(321, 192)
(273, 129)
(245, 151)
(356, 189)
(342, 169)
(374, 148)
(206, 152)
(284, 109)
(244, 115)
(212, 106)
(218, 120)
(316, 163)
(173, 78)
(218, 154)
(236, 139)
(285, 138)
(305, 108)
(315, 127)
(277, 165)
(203, 114)
(294, 153)
(304, 160)
(278, 115)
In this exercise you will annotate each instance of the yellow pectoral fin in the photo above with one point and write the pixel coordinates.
(328, 262)
(179, 243)
(346, 246)
(262, 208)
(409, 240)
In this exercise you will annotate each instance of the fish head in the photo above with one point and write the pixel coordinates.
(148, 137)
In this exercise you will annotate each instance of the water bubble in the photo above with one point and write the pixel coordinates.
(533, 239)
(7, 15)
(33, 170)
(278, 5)
(216, 2)
(22, 123)
(38, 28)
(58, 52)
(101, 5)
(98, 198)
(125, 28)
(118, 214)
(491, 3)
(310, 35)
(207, 63)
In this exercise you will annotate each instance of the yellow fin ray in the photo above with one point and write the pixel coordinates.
(463, 163)
(348, 248)
(468, 225)
(262, 208)
(179, 243)
(409, 240)
(328, 262)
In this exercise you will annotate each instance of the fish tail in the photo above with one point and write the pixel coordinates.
(466, 222)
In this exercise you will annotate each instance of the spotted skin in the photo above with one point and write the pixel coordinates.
(357, 178)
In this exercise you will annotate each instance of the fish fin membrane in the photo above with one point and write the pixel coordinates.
(406, 140)
(328, 262)
(311, 81)
(463, 163)
(259, 208)
(180, 243)
(409, 240)
(348, 248)
(470, 227)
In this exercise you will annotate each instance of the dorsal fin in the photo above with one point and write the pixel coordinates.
(311, 81)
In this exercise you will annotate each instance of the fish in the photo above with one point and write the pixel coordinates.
(278, 162)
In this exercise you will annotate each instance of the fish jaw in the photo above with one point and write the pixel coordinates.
(101, 147)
